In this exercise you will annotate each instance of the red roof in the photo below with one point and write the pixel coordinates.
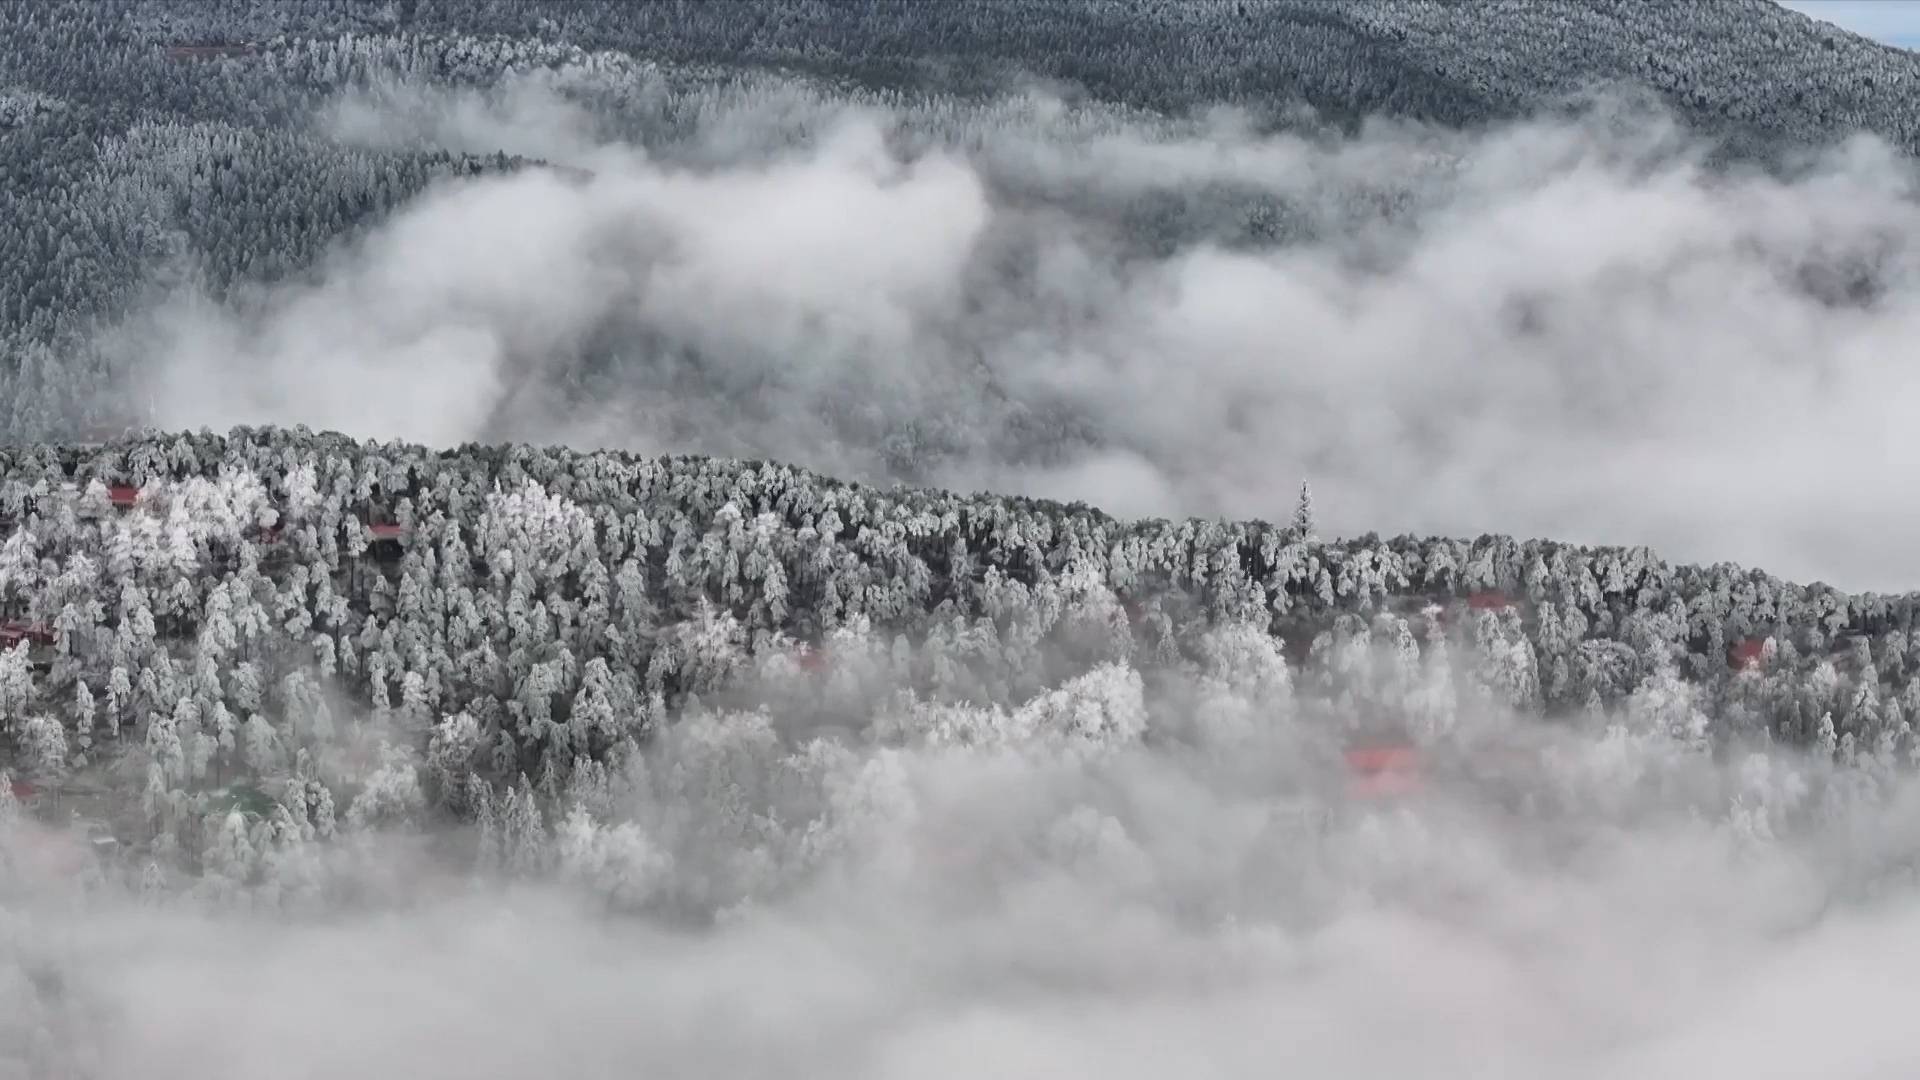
(813, 660)
(23, 791)
(1748, 653)
(1489, 600)
(13, 633)
(386, 530)
(122, 496)
(1383, 757)
(1383, 769)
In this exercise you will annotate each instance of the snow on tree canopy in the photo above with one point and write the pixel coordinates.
(553, 611)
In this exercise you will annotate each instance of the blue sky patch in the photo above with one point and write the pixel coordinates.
(1896, 22)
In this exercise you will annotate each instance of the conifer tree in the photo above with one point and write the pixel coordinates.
(1303, 523)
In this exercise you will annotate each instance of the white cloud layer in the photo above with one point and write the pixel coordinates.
(1027, 908)
(1576, 331)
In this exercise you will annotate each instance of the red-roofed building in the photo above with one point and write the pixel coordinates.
(386, 541)
(13, 633)
(1379, 770)
(1489, 600)
(1748, 655)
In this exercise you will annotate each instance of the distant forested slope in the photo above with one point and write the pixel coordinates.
(147, 144)
(1740, 62)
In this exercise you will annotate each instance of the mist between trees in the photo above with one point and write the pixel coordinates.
(1573, 329)
(366, 758)
(797, 770)
(1583, 324)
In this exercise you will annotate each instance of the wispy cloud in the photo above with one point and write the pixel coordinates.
(1033, 907)
(1568, 331)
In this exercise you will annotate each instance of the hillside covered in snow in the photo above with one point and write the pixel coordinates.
(274, 606)
(892, 539)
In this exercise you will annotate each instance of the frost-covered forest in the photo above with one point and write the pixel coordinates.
(651, 674)
(640, 668)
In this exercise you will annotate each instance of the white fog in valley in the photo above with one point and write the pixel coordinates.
(1565, 329)
(1123, 877)
(1084, 825)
